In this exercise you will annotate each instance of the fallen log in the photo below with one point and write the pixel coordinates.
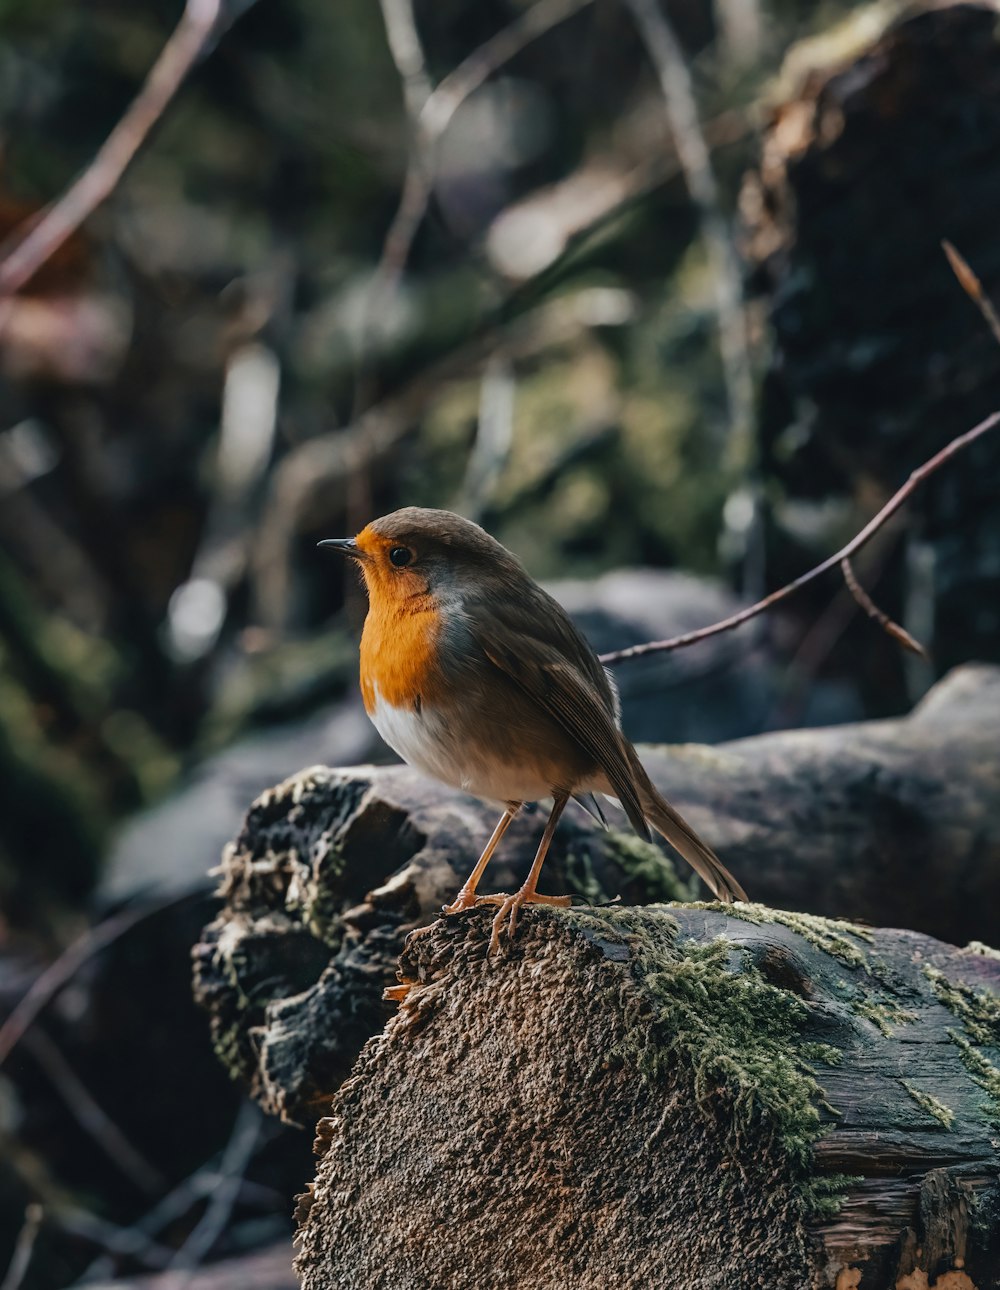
(685, 1096)
(893, 822)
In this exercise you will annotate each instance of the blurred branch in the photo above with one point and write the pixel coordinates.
(23, 1249)
(494, 436)
(239, 1152)
(59, 973)
(26, 251)
(740, 28)
(972, 287)
(91, 1117)
(671, 67)
(407, 53)
(434, 118)
(895, 502)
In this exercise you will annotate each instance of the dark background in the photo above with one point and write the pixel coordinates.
(212, 375)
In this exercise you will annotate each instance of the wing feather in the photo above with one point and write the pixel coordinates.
(545, 655)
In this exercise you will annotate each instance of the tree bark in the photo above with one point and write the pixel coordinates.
(892, 821)
(678, 1096)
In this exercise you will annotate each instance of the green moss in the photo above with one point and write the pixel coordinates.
(738, 1035)
(979, 1012)
(581, 877)
(882, 1012)
(826, 934)
(646, 864)
(825, 1053)
(983, 1071)
(929, 1103)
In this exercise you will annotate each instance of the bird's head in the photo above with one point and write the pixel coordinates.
(416, 552)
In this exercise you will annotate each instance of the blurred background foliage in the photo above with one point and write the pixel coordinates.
(233, 359)
(182, 382)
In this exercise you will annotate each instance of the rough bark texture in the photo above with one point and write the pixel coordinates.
(666, 1097)
(879, 151)
(894, 821)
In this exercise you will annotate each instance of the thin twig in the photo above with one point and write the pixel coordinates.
(122, 1241)
(92, 1117)
(59, 973)
(898, 633)
(407, 53)
(25, 252)
(23, 1248)
(972, 287)
(435, 116)
(871, 528)
(667, 57)
(236, 1157)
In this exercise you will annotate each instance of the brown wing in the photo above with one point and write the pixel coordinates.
(534, 642)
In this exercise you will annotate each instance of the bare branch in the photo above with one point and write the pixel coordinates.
(26, 251)
(91, 1117)
(894, 503)
(668, 59)
(435, 116)
(239, 1152)
(898, 633)
(407, 53)
(972, 287)
(59, 973)
(23, 1249)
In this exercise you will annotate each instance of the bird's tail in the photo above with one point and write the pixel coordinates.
(682, 837)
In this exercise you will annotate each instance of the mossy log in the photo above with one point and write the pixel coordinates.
(685, 1096)
(891, 822)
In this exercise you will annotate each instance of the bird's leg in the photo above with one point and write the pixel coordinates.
(527, 893)
(466, 898)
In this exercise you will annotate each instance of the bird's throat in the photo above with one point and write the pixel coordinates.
(399, 653)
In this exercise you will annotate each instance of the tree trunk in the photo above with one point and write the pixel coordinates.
(678, 1096)
(893, 821)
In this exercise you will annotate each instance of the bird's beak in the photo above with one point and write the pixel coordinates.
(346, 546)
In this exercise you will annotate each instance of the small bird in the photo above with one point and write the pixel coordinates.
(475, 675)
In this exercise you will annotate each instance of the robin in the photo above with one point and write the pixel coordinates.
(475, 675)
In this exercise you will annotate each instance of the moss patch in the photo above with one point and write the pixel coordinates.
(827, 934)
(645, 863)
(739, 1036)
(979, 1012)
(882, 1012)
(929, 1103)
(983, 1071)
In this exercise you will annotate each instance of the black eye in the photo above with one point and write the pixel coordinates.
(400, 556)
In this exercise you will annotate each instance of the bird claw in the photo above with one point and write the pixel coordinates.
(509, 908)
(508, 911)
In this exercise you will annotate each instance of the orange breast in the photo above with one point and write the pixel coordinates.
(398, 652)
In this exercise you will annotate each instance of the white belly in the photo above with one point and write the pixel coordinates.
(426, 742)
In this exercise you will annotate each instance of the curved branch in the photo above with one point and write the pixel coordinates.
(26, 251)
(894, 504)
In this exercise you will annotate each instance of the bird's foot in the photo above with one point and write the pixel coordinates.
(509, 908)
(466, 899)
(508, 911)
